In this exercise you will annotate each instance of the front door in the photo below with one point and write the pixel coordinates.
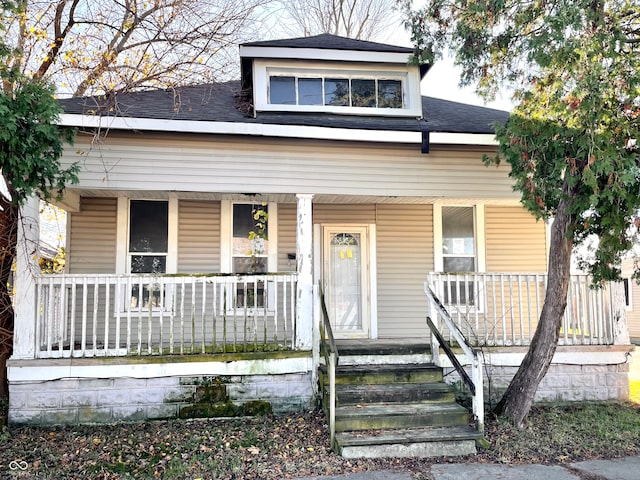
(346, 281)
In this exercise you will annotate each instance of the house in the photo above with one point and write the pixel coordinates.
(210, 221)
(632, 298)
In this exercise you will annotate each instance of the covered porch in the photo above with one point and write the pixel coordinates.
(137, 315)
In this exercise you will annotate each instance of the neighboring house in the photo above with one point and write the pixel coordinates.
(632, 298)
(208, 217)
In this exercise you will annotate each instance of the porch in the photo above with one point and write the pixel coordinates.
(136, 315)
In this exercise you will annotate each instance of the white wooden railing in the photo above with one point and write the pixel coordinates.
(502, 309)
(473, 356)
(120, 315)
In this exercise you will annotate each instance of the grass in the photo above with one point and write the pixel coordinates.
(277, 447)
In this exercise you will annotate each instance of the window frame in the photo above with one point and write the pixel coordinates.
(407, 75)
(479, 244)
(123, 255)
(226, 251)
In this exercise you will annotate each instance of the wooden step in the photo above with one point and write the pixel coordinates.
(402, 415)
(394, 393)
(385, 374)
(409, 442)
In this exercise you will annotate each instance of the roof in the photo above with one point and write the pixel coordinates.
(326, 41)
(222, 102)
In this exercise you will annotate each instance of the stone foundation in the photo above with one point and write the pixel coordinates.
(76, 400)
(577, 374)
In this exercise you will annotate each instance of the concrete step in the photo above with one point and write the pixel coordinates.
(394, 393)
(409, 442)
(384, 374)
(402, 415)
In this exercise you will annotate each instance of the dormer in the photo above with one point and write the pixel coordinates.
(331, 74)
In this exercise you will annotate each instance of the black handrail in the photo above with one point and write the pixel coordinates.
(452, 357)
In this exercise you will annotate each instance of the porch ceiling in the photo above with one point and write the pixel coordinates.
(287, 197)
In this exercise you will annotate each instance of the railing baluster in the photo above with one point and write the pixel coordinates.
(94, 326)
(520, 312)
(40, 316)
(139, 307)
(107, 299)
(172, 315)
(193, 315)
(182, 295)
(51, 316)
(504, 313)
(85, 301)
(214, 304)
(126, 302)
(276, 308)
(116, 308)
(203, 314)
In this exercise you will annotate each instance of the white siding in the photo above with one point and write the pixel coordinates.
(92, 237)
(515, 241)
(198, 236)
(405, 256)
(209, 163)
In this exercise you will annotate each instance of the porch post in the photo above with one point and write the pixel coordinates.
(26, 268)
(304, 294)
(619, 315)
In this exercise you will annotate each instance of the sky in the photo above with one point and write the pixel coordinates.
(442, 80)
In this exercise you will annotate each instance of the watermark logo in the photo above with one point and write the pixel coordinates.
(18, 465)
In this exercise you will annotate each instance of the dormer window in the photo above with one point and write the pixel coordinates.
(336, 91)
(347, 88)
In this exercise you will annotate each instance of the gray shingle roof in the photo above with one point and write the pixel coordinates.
(327, 41)
(223, 103)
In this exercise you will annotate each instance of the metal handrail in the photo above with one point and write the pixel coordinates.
(474, 356)
(332, 358)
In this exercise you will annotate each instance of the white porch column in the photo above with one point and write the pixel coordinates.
(304, 294)
(26, 268)
(619, 313)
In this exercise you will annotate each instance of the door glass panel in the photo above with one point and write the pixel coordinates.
(345, 288)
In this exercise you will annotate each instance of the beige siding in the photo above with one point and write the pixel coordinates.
(348, 214)
(287, 218)
(92, 237)
(515, 241)
(216, 163)
(198, 236)
(633, 314)
(405, 256)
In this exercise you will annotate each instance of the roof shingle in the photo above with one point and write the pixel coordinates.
(223, 103)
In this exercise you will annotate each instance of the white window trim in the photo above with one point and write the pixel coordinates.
(226, 234)
(409, 76)
(226, 241)
(122, 243)
(480, 243)
(478, 231)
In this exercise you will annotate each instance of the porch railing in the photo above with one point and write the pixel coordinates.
(329, 351)
(473, 356)
(121, 315)
(502, 309)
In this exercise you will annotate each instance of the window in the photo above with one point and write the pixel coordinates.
(148, 245)
(458, 253)
(335, 91)
(250, 251)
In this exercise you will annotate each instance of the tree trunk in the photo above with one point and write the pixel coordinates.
(516, 401)
(8, 240)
